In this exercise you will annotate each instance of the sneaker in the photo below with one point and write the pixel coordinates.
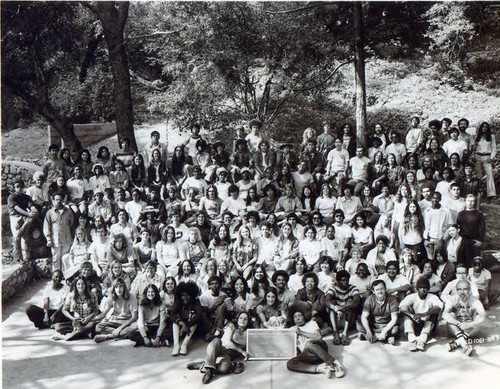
(328, 371)
(184, 349)
(175, 350)
(207, 377)
(99, 338)
(421, 346)
(452, 345)
(468, 350)
(339, 369)
(412, 346)
(391, 340)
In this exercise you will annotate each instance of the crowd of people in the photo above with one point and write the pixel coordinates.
(324, 236)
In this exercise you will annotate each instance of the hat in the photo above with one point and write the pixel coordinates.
(38, 175)
(255, 122)
(285, 145)
(245, 169)
(97, 165)
(150, 208)
(98, 191)
(221, 170)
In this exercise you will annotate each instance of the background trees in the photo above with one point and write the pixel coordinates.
(289, 63)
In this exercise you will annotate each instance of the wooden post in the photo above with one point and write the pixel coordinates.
(359, 67)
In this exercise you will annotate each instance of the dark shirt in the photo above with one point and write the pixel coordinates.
(472, 224)
(20, 200)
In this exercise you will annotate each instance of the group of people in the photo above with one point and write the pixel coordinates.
(326, 237)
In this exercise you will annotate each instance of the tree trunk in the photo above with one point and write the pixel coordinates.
(42, 106)
(359, 75)
(113, 16)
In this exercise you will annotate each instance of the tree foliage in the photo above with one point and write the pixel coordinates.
(221, 63)
(450, 31)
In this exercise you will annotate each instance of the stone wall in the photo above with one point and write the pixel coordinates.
(23, 276)
(13, 171)
(17, 281)
(88, 134)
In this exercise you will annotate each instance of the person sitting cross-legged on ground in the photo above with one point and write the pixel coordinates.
(342, 301)
(118, 313)
(151, 319)
(231, 348)
(313, 356)
(80, 307)
(421, 311)
(380, 315)
(464, 315)
(53, 300)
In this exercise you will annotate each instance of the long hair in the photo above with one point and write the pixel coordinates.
(487, 135)
(264, 283)
(85, 238)
(74, 291)
(123, 238)
(245, 284)
(164, 233)
(126, 293)
(291, 236)
(272, 290)
(248, 200)
(218, 241)
(239, 238)
(145, 301)
(193, 270)
(110, 272)
(311, 199)
(170, 278)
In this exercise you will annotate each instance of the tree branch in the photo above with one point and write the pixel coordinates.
(316, 5)
(275, 112)
(325, 80)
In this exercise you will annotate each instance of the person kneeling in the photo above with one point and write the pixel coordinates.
(313, 356)
(421, 312)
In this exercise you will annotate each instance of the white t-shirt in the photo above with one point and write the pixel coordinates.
(359, 168)
(414, 304)
(480, 282)
(310, 327)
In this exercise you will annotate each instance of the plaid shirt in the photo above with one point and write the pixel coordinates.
(81, 306)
